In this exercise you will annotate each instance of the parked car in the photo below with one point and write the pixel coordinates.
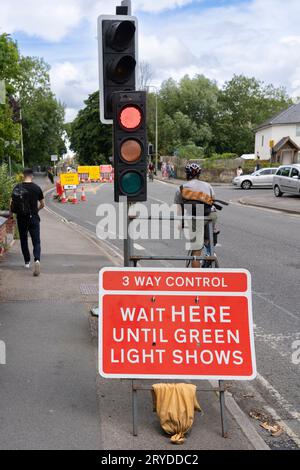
(261, 178)
(287, 180)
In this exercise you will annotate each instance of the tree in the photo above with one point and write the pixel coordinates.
(245, 103)
(145, 74)
(42, 114)
(91, 140)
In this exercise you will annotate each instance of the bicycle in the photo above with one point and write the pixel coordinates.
(208, 257)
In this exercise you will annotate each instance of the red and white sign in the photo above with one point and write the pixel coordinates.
(180, 324)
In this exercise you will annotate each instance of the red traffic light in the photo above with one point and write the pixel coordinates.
(130, 117)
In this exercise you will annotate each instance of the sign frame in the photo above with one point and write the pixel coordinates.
(247, 294)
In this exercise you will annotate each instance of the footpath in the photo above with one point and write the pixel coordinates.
(51, 394)
(287, 203)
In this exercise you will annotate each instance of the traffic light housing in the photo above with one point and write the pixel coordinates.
(130, 145)
(118, 48)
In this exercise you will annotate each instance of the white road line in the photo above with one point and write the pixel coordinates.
(283, 424)
(285, 405)
(90, 223)
(284, 310)
(138, 247)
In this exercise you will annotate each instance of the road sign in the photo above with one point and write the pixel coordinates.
(54, 158)
(176, 324)
(83, 169)
(67, 179)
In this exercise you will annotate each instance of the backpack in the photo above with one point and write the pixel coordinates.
(20, 203)
(194, 197)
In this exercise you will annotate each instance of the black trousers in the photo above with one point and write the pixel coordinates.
(30, 224)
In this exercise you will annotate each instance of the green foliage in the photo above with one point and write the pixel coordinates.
(191, 152)
(91, 140)
(223, 156)
(27, 80)
(6, 187)
(220, 121)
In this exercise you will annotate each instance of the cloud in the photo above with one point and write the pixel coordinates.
(72, 83)
(256, 38)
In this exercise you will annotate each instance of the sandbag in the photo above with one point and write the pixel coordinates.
(175, 404)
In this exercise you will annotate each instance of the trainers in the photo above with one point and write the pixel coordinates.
(27, 265)
(37, 268)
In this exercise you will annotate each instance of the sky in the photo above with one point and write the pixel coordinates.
(217, 38)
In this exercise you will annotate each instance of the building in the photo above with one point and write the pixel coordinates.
(282, 132)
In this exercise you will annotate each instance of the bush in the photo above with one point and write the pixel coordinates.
(191, 152)
(6, 187)
(223, 156)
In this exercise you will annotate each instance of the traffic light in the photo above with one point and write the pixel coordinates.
(117, 59)
(130, 145)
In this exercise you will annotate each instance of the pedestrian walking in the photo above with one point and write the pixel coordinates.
(26, 201)
(257, 166)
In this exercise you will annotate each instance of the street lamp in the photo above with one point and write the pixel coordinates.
(156, 124)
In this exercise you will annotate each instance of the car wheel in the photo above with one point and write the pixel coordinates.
(277, 191)
(246, 184)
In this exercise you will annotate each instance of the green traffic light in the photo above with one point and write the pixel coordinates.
(131, 182)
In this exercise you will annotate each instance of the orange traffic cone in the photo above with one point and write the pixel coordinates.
(64, 199)
(74, 200)
(83, 196)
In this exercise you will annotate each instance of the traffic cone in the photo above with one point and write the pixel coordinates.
(83, 196)
(74, 200)
(64, 199)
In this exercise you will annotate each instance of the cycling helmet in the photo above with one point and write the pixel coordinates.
(192, 170)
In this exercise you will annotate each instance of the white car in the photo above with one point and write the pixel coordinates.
(262, 178)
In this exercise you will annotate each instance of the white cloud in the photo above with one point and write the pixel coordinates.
(256, 38)
(72, 83)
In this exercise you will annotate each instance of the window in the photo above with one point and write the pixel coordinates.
(285, 171)
(273, 171)
(298, 130)
(294, 172)
(262, 140)
(265, 172)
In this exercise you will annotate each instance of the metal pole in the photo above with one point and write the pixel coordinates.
(156, 132)
(127, 3)
(222, 409)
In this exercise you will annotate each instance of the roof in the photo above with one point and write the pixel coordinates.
(248, 156)
(282, 142)
(290, 115)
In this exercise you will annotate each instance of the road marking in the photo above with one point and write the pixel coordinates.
(90, 223)
(276, 305)
(284, 425)
(285, 405)
(138, 247)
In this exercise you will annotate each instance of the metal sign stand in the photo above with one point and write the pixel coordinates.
(131, 260)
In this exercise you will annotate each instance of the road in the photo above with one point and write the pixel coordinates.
(265, 242)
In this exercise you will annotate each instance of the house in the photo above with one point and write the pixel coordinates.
(280, 137)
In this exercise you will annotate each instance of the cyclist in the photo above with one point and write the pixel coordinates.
(192, 195)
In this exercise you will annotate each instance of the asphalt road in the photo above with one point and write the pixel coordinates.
(265, 242)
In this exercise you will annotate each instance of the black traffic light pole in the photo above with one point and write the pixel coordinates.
(125, 8)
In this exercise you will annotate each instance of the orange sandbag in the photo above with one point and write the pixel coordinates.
(175, 405)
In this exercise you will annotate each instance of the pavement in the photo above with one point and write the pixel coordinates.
(51, 394)
(287, 203)
(253, 238)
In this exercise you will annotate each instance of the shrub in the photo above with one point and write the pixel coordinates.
(6, 187)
